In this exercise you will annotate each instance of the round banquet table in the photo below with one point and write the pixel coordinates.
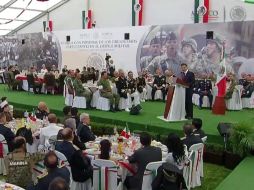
(8, 186)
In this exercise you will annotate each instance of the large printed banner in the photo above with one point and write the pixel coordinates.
(139, 48)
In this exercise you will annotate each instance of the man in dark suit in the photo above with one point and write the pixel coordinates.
(66, 146)
(6, 132)
(51, 163)
(141, 158)
(190, 138)
(84, 132)
(122, 85)
(189, 79)
(197, 125)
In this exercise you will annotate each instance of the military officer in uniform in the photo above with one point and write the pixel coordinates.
(171, 60)
(248, 86)
(124, 91)
(159, 83)
(81, 91)
(132, 88)
(106, 91)
(154, 50)
(189, 53)
(205, 89)
(141, 86)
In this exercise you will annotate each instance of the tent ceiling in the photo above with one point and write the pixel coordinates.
(17, 13)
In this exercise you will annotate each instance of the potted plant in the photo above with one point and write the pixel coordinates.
(213, 153)
(241, 143)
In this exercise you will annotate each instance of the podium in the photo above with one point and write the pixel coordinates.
(175, 104)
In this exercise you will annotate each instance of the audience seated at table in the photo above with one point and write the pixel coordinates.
(177, 152)
(58, 184)
(141, 158)
(75, 115)
(71, 123)
(66, 146)
(48, 131)
(81, 169)
(42, 111)
(6, 132)
(83, 131)
(66, 112)
(105, 149)
(19, 164)
(5, 108)
(33, 81)
(53, 171)
(190, 138)
(197, 127)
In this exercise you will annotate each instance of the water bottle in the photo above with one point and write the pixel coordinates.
(26, 114)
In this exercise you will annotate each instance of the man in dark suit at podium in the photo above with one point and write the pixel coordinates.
(189, 80)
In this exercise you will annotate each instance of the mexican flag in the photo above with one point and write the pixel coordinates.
(201, 11)
(137, 12)
(126, 133)
(249, 1)
(48, 25)
(87, 19)
(221, 81)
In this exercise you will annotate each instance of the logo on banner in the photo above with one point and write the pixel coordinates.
(137, 7)
(202, 10)
(238, 13)
(96, 60)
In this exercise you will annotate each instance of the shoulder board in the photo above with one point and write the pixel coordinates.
(42, 175)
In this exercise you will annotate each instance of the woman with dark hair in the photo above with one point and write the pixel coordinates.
(105, 147)
(176, 151)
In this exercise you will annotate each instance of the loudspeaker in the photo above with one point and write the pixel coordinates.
(68, 38)
(135, 110)
(224, 128)
(127, 36)
(23, 41)
(209, 35)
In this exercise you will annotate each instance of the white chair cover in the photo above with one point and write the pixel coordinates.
(5, 152)
(197, 166)
(136, 100)
(105, 172)
(195, 99)
(68, 97)
(87, 185)
(143, 95)
(187, 170)
(124, 103)
(248, 102)
(103, 103)
(235, 103)
(149, 174)
(79, 102)
(158, 95)
(95, 98)
(149, 92)
(33, 148)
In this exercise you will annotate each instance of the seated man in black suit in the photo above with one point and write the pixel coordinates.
(6, 132)
(197, 125)
(141, 158)
(83, 131)
(190, 139)
(53, 171)
(66, 146)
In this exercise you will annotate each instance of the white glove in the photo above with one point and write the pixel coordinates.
(122, 90)
(100, 87)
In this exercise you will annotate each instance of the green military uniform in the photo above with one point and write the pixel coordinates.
(19, 168)
(81, 91)
(106, 92)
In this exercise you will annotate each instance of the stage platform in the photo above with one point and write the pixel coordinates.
(147, 120)
(241, 178)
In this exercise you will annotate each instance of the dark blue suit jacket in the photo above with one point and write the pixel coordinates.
(8, 135)
(66, 148)
(84, 133)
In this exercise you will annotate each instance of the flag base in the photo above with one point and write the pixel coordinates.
(219, 106)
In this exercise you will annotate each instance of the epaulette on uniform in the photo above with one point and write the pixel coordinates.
(42, 175)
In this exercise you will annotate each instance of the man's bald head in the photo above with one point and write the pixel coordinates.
(67, 134)
(52, 118)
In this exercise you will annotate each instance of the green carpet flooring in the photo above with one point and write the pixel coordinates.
(145, 121)
(241, 178)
